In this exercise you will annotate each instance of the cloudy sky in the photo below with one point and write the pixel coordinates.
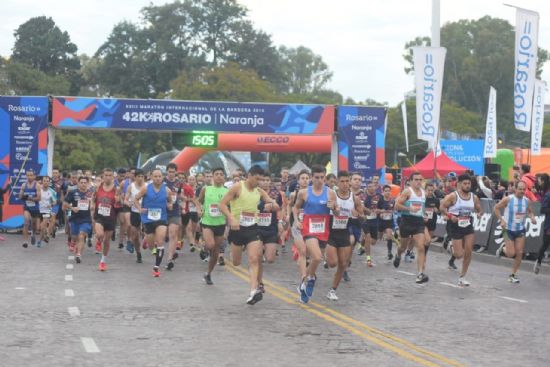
(361, 40)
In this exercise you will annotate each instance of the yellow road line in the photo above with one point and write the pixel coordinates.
(369, 328)
(373, 339)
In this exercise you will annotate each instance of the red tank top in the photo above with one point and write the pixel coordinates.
(105, 202)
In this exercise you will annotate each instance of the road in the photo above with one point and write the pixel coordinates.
(55, 312)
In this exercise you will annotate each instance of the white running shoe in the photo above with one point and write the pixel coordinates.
(463, 282)
(332, 295)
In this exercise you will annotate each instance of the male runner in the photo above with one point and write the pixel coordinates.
(300, 253)
(174, 214)
(386, 207)
(370, 226)
(48, 198)
(135, 215)
(30, 194)
(80, 204)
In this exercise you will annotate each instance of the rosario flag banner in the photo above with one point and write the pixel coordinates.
(405, 128)
(525, 67)
(537, 122)
(491, 141)
(429, 63)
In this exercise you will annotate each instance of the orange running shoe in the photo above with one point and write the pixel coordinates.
(156, 272)
(97, 247)
(102, 266)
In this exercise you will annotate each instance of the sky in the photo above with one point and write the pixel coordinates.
(361, 40)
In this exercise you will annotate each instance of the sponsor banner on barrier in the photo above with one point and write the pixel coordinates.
(467, 153)
(361, 140)
(101, 113)
(23, 146)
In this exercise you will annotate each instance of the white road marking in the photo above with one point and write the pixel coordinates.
(71, 258)
(69, 293)
(405, 272)
(68, 278)
(449, 284)
(20, 288)
(513, 299)
(89, 345)
(69, 266)
(74, 311)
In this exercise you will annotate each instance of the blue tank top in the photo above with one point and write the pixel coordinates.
(316, 204)
(155, 203)
(31, 206)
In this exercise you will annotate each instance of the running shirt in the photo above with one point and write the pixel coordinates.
(82, 200)
(267, 220)
(57, 186)
(432, 203)
(415, 201)
(48, 198)
(371, 203)
(188, 192)
(155, 202)
(463, 209)
(105, 202)
(68, 186)
(515, 213)
(30, 192)
(316, 215)
(212, 215)
(175, 186)
(245, 208)
(342, 220)
(387, 207)
(134, 190)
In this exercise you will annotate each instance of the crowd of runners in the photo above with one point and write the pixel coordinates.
(323, 217)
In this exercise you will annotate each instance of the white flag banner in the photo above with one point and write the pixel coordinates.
(429, 63)
(537, 121)
(405, 128)
(491, 141)
(525, 67)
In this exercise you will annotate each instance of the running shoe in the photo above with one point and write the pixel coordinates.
(361, 251)
(302, 290)
(39, 244)
(192, 248)
(77, 259)
(207, 279)
(255, 297)
(370, 264)
(120, 246)
(411, 254)
(33, 240)
(221, 261)
(536, 268)
(203, 254)
(500, 250)
(207, 259)
(25, 245)
(452, 265)
(332, 295)
(153, 251)
(261, 287)
(175, 256)
(325, 264)
(422, 278)
(98, 247)
(89, 242)
(130, 247)
(309, 287)
(513, 278)
(139, 260)
(396, 261)
(346, 276)
(170, 265)
(390, 256)
(463, 282)
(102, 266)
(156, 272)
(408, 258)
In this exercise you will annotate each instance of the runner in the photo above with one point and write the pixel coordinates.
(544, 189)
(386, 207)
(153, 201)
(189, 217)
(48, 198)
(174, 214)
(317, 201)
(357, 223)
(370, 226)
(31, 196)
(135, 215)
(213, 222)
(80, 207)
(122, 212)
(430, 215)
(339, 242)
(515, 207)
(125, 210)
(70, 185)
(411, 203)
(459, 207)
(106, 196)
(57, 214)
(268, 222)
(299, 245)
(244, 198)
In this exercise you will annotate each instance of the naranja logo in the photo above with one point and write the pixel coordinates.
(273, 139)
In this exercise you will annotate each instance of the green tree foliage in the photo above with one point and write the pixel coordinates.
(305, 72)
(20, 79)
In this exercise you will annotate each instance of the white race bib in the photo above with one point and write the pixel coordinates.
(386, 215)
(519, 218)
(429, 213)
(316, 225)
(464, 222)
(104, 210)
(83, 204)
(46, 215)
(416, 205)
(371, 216)
(30, 203)
(214, 211)
(154, 214)
(247, 219)
(339, 222)
(192, 207)
(264, 219)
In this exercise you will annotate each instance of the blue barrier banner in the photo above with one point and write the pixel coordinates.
(468, 153)
(102, 113)
(361, 140)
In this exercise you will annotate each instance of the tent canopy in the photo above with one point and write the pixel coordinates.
(298, 167)
(443, 165)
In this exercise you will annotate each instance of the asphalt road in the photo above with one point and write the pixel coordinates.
(54, 312)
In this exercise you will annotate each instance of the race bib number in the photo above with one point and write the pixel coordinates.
(519, 218)
(46, 215)
(371, 216)
(264, 219)
(83, 204)
(30, 203)
(247, 219)
(317, 225)
(417, 207)
(154, 214)
(192, 207)
(104, 210)
(386, 215)
(464, 222)
(214, 210)
(429, 213)
(339, 222)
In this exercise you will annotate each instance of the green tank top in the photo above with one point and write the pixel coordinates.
(212, 215)
(247, 203)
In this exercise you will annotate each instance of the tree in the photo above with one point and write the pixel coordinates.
(20, 79)
(305, 71)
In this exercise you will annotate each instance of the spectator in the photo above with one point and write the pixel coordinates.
(530, 181)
